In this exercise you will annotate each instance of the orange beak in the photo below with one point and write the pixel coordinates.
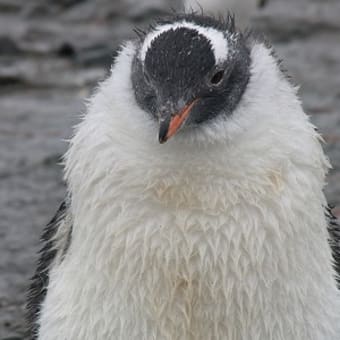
(168, 128)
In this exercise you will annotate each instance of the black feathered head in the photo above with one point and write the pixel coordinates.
(189, 70)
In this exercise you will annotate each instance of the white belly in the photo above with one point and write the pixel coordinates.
(187, 275)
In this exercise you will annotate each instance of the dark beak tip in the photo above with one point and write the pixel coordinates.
(163, 131)
(162, 139)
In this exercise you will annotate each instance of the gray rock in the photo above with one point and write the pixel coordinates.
(8, 46)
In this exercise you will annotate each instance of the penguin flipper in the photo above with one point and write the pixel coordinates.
(334, 240)
(55, 240)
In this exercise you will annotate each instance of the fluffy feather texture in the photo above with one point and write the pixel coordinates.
(244, 10)
(219, 234)
(56, 240)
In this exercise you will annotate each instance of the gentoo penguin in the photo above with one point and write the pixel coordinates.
(195, 206)
(244, 10)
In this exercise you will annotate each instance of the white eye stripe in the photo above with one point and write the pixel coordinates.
(216, 38)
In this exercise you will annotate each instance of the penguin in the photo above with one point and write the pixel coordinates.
(195, 205)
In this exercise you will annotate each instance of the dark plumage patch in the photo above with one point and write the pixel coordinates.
(184, 64)
(180, 67)
(38, 287)
(334, 240)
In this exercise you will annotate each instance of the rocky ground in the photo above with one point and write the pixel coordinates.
(52, 53)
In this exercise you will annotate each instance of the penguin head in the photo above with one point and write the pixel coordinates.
(189, 71)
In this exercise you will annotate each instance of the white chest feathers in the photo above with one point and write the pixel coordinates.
(140, 267)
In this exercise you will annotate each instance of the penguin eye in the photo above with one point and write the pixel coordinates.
(217, 77)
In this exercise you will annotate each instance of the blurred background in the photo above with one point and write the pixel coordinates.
(52, 54)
